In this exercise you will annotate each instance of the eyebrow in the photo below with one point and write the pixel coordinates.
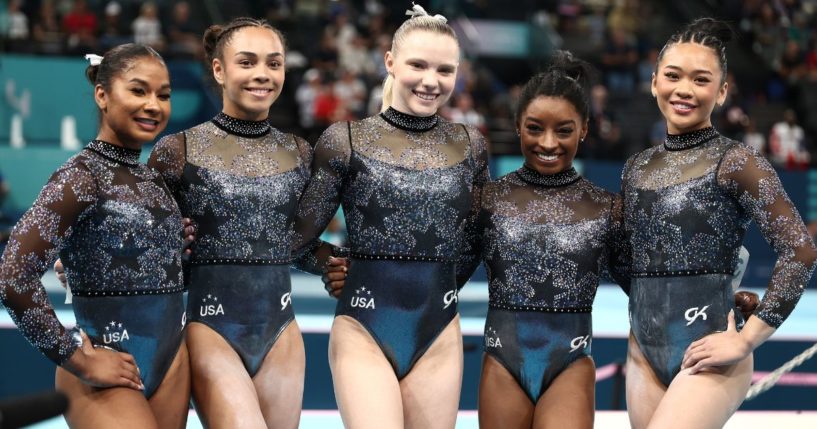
(144, 83)
(565, 122)
(699, 71)
(254, 55)
(452, 65)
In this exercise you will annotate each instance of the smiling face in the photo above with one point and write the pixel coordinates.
(687, 85)
(424, 70)
(137, 106)
(251, 73)
(550, 129)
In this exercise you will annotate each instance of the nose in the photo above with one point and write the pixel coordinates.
(548, 141)
(152, 103)
(429, 79)
(261, 73)
(683, 89)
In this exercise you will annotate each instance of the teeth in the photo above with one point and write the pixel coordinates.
(544, 157)
(428, 97)
(148, 121)
(260, 91)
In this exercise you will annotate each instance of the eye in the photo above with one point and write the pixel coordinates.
(416, 65)
(138, 91)
(533, 128)
(565, 131)
(671, 75)
(275, 65)
(164, 97)
(702, 80)
(245, 63)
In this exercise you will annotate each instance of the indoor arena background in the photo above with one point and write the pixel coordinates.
(334, 62)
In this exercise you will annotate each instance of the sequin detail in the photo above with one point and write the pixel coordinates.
(688, 210)
(122, 155)
(241, 127)
(562, 178)
(403, 193)
(546, 248)
(117, 230)
(691, 139)
(408, 122)
(241, 192)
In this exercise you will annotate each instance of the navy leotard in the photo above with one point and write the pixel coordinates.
(407, 186)
(688, 203)
(240, 182)
(118, 232)
(547, 240)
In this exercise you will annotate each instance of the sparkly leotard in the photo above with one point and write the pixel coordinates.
(118, 233)
(687, 205)
(547, 241)
(407, 186)
(240, 182)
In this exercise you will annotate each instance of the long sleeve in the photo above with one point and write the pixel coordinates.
(755, 185)
(470, 253)
(168, 157)
(617, 257)
(321, 198)
(32, 249)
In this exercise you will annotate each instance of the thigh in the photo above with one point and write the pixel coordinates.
(223, 391)
(502, 401)
(431, 390)
(171, 401)
(704, 400)
(279, 382)
(569, 401)
(91, 407)
(366, 388)
(644, 390)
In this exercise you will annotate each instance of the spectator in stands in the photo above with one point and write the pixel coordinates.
(463, 112)
(619, 59)
(305, 96)
(5, 221)
(46, 29)
(753, 137)
(603, 132)
(14, 27)
(112, 33)
(80, 25)
(147, 30)
(787, 143)
(182, 35)
(352, 92)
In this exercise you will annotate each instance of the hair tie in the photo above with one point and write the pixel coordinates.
(94, 59)
(417, 10)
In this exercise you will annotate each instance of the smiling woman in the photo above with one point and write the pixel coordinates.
(117, 229)
(240, 181)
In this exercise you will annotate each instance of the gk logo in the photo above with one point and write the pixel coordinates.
(286, 299)
(450, 297)
(693, 313)
(579, 343)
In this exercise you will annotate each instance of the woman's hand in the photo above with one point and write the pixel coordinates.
(718, 349)
(60, 271)
(334, 276)
(189, 232)
(103, 367)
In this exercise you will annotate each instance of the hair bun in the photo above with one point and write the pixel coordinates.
(210, 39)
(564, 62)
(713, 28)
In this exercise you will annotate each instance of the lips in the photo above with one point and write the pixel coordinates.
(547, 157)
(425, 96)
(682, 107)
(147, 124)
(259, 92)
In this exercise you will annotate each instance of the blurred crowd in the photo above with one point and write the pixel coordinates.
(336, 48)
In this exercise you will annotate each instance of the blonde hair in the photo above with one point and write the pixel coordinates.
(420, 21)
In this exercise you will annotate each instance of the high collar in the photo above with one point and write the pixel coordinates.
(407, 122)
(241, 127)
(122, 155)
(690, 139)
(562, 178)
